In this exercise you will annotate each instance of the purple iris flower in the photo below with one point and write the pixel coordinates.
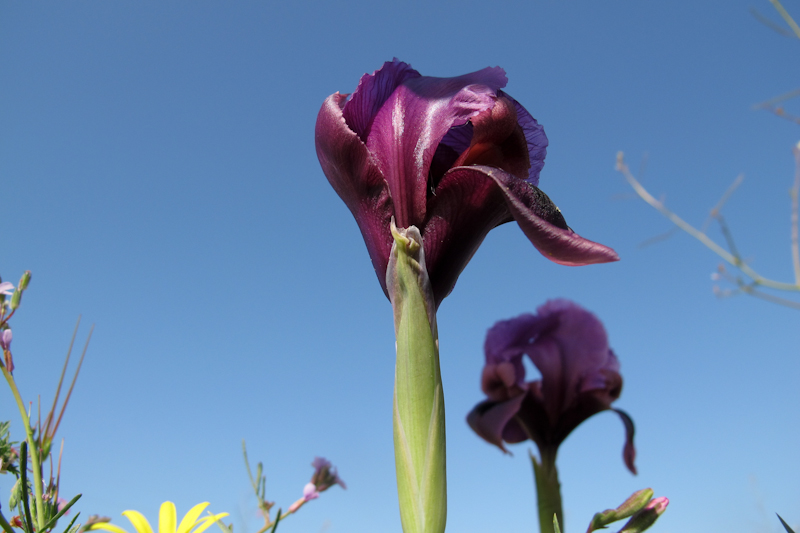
(580, 377)
(454, 157)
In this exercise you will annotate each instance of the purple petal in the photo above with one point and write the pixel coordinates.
(6, 288)
(458, 138)
(372, 92)
(464, 209)
(339, 481)
(319, 463)
(352, 172)
(310, 492)
(498, 141)
(468, 203)
(507, 340)
(407, 129)
(629, 451)
(489, 419)
(573, 355)
(503, 380)
(534, 137)
(542, 222)
(5, 339)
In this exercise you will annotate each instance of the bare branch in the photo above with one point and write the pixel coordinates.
(793, 192)
(731, 258)
(786, 17)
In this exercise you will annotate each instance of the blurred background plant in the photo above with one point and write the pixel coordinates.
(324, 477)
(746, 280)
(35, 503)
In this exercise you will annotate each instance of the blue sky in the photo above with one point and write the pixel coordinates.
(159, 178)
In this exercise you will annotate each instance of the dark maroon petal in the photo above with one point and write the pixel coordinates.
(629, 451)
(498, 141)
(542, 222)
(489, 419)
(408, 127)
(357, 180)
(372, 92)
(534, 137)
(465, 207)
(532, 421)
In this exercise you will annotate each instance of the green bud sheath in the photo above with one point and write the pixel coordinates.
(24, 280)
(419, 440)
(629, 507)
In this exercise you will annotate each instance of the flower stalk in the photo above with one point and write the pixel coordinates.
(548, 492)
(419, 429)
(34, 451)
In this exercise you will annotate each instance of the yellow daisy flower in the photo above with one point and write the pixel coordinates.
(167, 519)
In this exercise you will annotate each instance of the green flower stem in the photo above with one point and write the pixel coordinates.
(548, 491)
(34, 451)
(419, 430)
(5, 525)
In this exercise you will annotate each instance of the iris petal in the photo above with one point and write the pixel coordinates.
(534, 137)
(489, 419)
(543, 224)
(629, 451)
(409, 126)
(372, 92)
(354, 176)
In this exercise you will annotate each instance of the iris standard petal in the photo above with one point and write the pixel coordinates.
(407, 129)
(138, 521)
(167, 518)
(508, 339)
(573, 354)
(190, 519)
(534, 137)
(352, 172)
(372, 92)
(498, 140)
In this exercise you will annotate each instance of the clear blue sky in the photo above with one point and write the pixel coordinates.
(159, 177)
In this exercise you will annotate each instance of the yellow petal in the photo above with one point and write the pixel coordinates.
(107, 527)
(190, 519)
(140, 523)
(206, 522)
(167, 518)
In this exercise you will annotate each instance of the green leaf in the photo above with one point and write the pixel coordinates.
(785, 525)
(52, 521)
